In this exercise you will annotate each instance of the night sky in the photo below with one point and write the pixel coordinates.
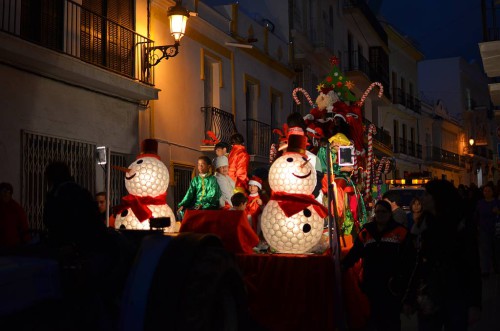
(441, 28)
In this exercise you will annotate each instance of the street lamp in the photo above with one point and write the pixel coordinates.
(471, 142)
(177, 16)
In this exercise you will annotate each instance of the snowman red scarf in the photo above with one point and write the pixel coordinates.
(139, 205)
(293, 203)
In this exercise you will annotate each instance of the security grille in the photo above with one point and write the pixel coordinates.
(40, 150)
(117, 182)
(182, 178)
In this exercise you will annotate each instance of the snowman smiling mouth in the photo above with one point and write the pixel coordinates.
(129, 178)
(305, 176)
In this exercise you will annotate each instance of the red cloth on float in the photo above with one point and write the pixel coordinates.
(288, 292)
(231, 226)
(254, 210)
(356, 303)
(293, 203)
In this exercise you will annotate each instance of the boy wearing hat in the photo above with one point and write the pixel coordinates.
(226, 184)
(254, 206)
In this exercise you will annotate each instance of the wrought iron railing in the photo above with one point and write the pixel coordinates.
(403, 146)
(382, 136)
(258, 138)
(419, 151)
(219, 122)
(67, 27)
(369, 15)
(399, 97)
(355, 61)
(442, 155)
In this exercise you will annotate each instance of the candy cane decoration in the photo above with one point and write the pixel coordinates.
(296, 98)
(378, 174)
(387, 166)
(372, 129)
(369, 89)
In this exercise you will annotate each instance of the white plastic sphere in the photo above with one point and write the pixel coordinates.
(128, 219)
(292, 174)
(296, 234)
(147, 176)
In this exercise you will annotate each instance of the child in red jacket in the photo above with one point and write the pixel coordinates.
(238, 163)
(254, 205)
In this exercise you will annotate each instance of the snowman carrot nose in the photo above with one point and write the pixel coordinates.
(126, 170)
(305, 162)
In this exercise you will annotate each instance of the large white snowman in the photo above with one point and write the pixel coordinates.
(146, 181)
(292, 221)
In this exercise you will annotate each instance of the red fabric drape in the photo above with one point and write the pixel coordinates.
(292, 203)
(139, 205)
(230, 225)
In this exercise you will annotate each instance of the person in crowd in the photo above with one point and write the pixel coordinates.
(70, 213)
(416, 210)
(203, 191)
(226, 184)
(445, 286)
(239, 201)
(254, 206)
(88, 252)
(100, 198)
(221, 149)
(387, 257)
(398, 213)
(487, 215)
(14, 229)
(239, 161)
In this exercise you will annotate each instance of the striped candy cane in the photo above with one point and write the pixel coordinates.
(296, 98)
(372, 129)
(369, 89)
(378, 174)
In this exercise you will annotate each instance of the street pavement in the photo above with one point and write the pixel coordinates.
(490, 314)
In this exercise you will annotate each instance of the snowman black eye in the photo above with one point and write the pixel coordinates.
(124, 213)
(140, 161)
(304, 158)
(289, 159)
(306, 228)
(307, 213)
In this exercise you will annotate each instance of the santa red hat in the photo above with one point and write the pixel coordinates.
(149, 147)
(297, 144)
(256, 181)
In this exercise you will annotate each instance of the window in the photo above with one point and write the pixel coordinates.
(212, 78)
(182, 175)
(103, 41)
(42, 22)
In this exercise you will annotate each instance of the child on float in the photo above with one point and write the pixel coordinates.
(254, 206)
(226, 184)
(239, 161)
(203, 191)
(221, 149)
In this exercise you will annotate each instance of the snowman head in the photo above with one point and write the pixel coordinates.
(147, 176)
(292, 173)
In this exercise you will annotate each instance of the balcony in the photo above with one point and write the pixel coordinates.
(68, 28)
(443, 156)
(382, 136)
(369, 16)
(219, 122)
(258, 138)
(399, 97)
(355, 61)
(408, 147)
